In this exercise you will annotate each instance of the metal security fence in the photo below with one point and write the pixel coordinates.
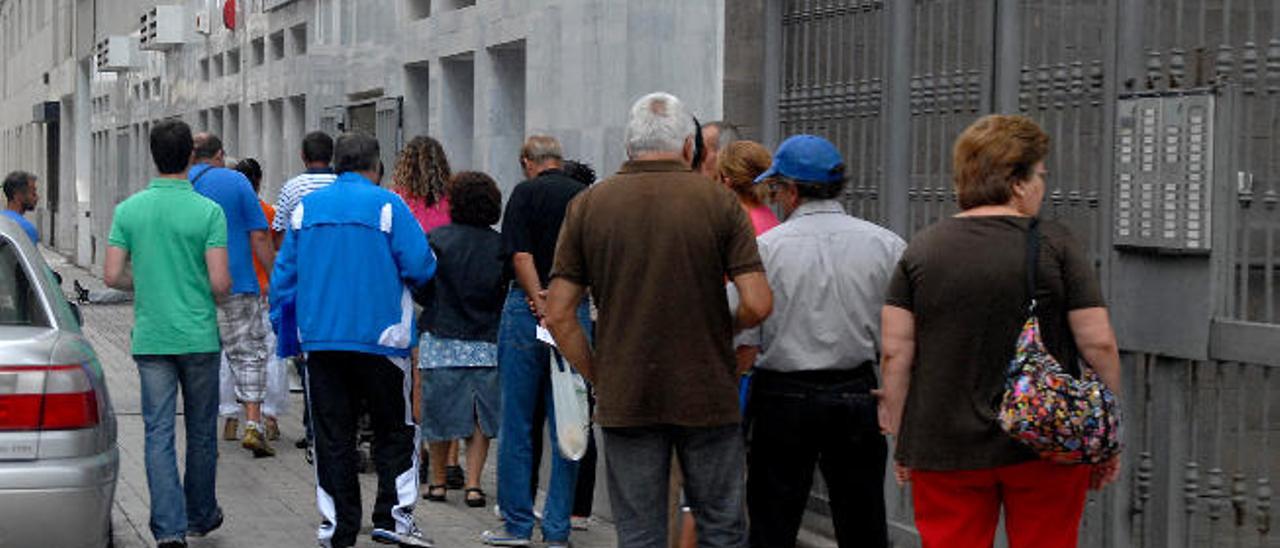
(949, 63)
(832, 85)
(1165, 163)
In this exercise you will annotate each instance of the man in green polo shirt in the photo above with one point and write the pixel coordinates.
(169, 246)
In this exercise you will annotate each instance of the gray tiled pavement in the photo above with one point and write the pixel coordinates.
(268, 502)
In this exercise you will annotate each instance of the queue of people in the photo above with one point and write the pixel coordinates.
(742, 348)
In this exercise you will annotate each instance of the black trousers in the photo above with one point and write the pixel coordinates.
(300, 363)
(337, 383)
(825, 419)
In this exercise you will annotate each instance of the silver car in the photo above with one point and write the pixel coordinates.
(58, 457)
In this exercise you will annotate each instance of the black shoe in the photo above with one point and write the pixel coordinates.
(217, 522)
(82, 294)
(454, 478)
(436, 493)
(302, 443)
(172, 544)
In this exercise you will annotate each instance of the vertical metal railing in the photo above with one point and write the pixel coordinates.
(1235, 43)
(1267, 463)
(832, 85)
(1060, 85)
(950, 59)
(1199, 467)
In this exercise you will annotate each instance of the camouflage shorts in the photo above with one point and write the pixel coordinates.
(244, 340)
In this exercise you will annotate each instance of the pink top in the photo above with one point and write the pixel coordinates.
(762, 218)
(430, 217)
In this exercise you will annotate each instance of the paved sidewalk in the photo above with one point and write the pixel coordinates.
(268, 502)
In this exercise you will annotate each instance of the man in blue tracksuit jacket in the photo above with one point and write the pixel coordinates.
(344, 272)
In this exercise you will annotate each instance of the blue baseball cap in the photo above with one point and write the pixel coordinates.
(806, 158)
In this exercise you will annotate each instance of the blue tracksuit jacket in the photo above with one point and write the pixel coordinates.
(349, 259)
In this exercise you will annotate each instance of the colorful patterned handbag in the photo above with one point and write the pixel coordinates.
(1061, 418)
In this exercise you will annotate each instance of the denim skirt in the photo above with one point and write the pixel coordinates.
(455, 399)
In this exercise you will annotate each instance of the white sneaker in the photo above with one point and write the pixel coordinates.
(579, 523)
(500, 538)
(412, 538)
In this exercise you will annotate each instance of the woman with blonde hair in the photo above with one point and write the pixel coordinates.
(740, 163)
(422, 178)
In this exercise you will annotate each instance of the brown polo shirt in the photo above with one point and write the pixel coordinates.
(655, 242)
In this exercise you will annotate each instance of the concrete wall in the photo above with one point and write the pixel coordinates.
(744, 53)
(478, 75)
(36, 39)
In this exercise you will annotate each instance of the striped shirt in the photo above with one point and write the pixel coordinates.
(293, 192)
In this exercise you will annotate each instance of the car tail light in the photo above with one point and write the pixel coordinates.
(46, 397)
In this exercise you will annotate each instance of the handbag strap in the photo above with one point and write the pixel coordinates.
(1033, 256)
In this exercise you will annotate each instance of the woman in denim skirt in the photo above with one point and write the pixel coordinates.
(462, 306)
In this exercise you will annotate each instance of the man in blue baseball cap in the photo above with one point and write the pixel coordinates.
(811, 401)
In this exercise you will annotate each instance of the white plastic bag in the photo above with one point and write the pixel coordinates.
(573, 416)
(276, 403)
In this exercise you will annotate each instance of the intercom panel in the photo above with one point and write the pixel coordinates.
(1164, 165)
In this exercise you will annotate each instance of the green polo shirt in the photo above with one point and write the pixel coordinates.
(166, 229)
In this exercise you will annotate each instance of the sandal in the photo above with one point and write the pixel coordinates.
(477, 501)
(436, 493)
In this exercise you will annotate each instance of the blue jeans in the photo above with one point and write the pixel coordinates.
(190, 504)
(524, 366)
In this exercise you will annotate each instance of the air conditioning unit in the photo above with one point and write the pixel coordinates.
(117, 54)
(163, 27)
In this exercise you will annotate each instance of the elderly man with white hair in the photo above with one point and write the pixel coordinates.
(655, 243)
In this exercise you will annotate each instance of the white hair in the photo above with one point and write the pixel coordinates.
(659, 123)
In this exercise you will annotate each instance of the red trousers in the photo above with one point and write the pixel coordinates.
(1043, 503)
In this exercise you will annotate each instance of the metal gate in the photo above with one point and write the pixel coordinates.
(1187, 252)
(390, 133)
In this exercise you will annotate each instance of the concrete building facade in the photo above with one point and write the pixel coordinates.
(83, 81)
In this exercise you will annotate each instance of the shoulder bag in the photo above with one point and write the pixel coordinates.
(1061, 418)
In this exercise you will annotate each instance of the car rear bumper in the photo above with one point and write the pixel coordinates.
(58, 502)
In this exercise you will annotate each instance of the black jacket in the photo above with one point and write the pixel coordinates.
(464, 300)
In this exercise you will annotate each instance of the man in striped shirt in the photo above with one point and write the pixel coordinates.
(317, 155)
